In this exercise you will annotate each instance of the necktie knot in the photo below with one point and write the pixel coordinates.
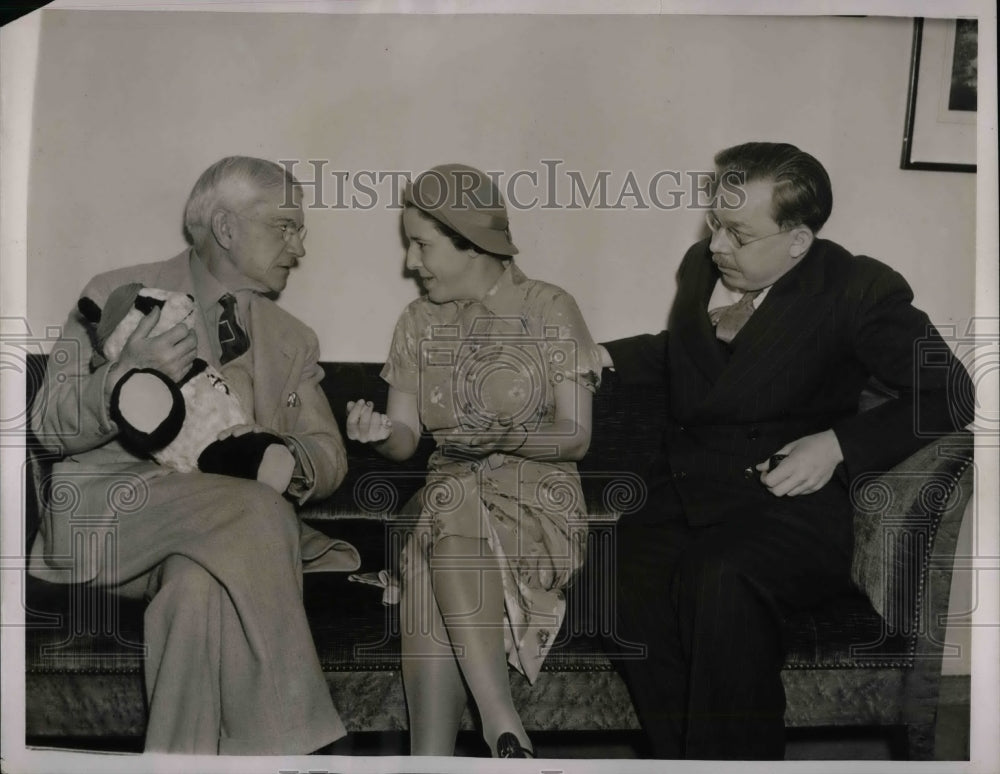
(232, 335)
(728, 320)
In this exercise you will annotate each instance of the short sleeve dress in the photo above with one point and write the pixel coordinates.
(472, 363)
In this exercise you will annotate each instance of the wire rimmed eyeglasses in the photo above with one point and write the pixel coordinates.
(715, 226)
(288, 228)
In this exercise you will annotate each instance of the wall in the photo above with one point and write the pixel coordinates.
(130, 107)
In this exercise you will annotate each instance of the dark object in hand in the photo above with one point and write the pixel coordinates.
(774, 461)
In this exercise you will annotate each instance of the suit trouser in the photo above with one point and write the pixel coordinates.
(231, 666)
(708, 603)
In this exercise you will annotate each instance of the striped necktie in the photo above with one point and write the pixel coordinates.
(232, 336)
(728, 320)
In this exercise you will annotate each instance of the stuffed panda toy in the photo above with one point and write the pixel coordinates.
(178, 424)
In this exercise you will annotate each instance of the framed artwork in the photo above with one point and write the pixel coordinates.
(940, 131)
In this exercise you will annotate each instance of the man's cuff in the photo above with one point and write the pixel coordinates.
(104, 378)
(303, 474)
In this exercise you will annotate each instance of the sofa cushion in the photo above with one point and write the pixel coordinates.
(845, 632)
(84, 647)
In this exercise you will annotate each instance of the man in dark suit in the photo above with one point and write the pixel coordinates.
(772, 337)
(230, 662)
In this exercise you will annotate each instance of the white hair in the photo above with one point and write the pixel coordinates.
(230, 182)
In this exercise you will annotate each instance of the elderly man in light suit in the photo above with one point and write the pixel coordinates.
(231, 666)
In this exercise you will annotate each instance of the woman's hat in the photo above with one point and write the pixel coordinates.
(465, 200)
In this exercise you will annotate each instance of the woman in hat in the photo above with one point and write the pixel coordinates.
(500, 369)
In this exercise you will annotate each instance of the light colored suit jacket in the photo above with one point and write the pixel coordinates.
(98, 478)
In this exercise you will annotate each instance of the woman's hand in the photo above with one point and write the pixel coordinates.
(501, 436)
(366, 425)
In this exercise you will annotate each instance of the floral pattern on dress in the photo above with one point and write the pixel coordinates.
(473, 364)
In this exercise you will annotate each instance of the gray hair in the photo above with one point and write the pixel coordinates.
(230, 182)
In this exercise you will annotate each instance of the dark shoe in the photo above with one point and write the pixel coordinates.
(509, 747)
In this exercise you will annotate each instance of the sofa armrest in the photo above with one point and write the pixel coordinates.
(905, 516)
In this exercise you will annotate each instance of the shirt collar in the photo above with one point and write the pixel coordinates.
(504, 297)
(723, 296)
(207, 289)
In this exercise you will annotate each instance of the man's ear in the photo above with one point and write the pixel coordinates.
(222, 228)
(801, 241)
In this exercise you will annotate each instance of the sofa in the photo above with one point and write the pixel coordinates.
(870, 658)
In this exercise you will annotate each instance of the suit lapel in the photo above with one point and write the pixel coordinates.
(789, 314)
(276, 353)
(689, 324)
(276, 365)
(176, 275)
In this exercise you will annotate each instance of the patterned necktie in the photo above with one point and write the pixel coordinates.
(729, 319)
(232, 336)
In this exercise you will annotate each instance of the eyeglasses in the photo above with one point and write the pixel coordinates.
(715, 225)
(288, 228)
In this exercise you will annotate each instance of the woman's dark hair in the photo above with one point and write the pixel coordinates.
(459, 241)
(802, 191)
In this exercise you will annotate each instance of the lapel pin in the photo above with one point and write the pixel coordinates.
(293, 400)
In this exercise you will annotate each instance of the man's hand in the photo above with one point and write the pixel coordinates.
(171, 352)
(808, 465)
(366, 425)
(277, 466)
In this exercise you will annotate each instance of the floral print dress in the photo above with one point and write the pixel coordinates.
(473, 364)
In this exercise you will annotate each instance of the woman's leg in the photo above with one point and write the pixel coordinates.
(469, 591)
(435, 694)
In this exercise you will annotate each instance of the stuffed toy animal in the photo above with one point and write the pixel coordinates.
(178, 424)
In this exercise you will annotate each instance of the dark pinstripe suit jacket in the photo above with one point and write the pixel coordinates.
(798, 367)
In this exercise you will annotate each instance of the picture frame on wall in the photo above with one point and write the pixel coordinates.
(940, 130)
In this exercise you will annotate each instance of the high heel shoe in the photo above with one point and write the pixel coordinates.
(509, 747)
